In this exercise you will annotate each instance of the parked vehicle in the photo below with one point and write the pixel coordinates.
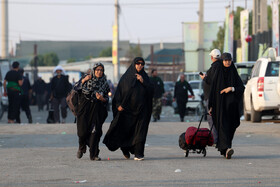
(262, 91)
(4, 68)
(189, 76)
(167, 97)
(244, 70)
(196, 104)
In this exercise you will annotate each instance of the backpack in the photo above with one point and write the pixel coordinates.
(72, 101)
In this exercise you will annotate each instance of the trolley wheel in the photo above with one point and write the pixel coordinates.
(187, 153)
(204, 152)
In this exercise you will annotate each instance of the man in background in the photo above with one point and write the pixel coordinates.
(12, 83)
(26, 92)
(60, 87)
(182, 87)
(158, 91)
(207, 81)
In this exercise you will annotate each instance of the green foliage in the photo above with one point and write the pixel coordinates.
(49, 59)
(71, 60)
(106, 52)
(134, 52)
(236, 33)
(88, 57)
(219, 42)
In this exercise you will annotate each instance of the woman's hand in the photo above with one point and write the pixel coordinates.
(210, 111)
(139, 77)
(226, 90)
(86, 78)
(120, 108)
(100, 97)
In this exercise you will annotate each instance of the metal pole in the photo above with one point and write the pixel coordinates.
(35, 75)
(5, 29)
(117, 64)
(245, 4)
(201, 36)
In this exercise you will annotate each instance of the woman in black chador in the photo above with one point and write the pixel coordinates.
(132, 108)
(93, 98)
(224, 100)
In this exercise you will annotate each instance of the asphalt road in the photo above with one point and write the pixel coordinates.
(41, 154)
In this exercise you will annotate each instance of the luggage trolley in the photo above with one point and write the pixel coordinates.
(196, 139)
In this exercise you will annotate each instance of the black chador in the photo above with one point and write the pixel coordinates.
(129, 128)
(225, 107)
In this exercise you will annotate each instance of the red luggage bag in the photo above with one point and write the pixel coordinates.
(199, 137)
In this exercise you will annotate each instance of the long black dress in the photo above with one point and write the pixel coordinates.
(225, 107)
(91, 114)
(129, 128)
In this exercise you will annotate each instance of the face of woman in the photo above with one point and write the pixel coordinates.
(98, 72)
(227, 63)
(139, 65)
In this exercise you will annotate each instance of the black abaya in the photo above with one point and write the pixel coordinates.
(129, 128)
(225, 107)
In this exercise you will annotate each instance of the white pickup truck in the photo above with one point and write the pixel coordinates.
(262, 91)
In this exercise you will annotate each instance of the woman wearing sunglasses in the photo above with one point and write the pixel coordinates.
(132, 108)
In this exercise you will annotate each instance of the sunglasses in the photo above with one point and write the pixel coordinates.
(142, 63)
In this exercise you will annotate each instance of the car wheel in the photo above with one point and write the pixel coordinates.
(255, 115)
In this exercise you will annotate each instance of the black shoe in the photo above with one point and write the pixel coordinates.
(155, 120)
(158, 117)
(229, 153)
(126, 154)
(96, 158)
(182, 119)
(79, 154)
(29, 120)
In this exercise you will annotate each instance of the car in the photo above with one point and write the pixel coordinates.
(196, 104)
(244, 70)
(189, 76)
(262, 91)
(110, 94)
(167, 97)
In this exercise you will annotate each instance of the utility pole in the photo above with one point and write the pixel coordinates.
(115, 45)
(35, 72)
(201, 36)
(5, 29)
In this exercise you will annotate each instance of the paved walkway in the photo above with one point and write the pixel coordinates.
(45, 155)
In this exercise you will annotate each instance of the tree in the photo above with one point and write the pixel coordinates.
(71, 60)
(106, 52)
(49, 59)
(40, 61)
(134, 52)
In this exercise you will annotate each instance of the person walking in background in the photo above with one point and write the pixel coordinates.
(60, 87)
(93, 98)
(158, 91)
(132, 109)
(39, 88)
(12, 83)
(207, 81)
(26, 94)
(224, 103)
(181, 95)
